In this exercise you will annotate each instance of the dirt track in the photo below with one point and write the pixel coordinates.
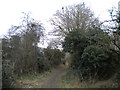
(54, 79)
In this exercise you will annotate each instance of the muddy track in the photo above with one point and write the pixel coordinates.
(54, 79)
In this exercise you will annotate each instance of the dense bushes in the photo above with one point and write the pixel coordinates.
(8, 77)
(49, 58)
(43, 63)
(53, 56)
(46, 59)
(75, 40)
(91, 55)
(97, 62)
(7, 66)
(117, 78)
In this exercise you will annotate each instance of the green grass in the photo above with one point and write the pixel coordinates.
(65, 82)
(31, 81)
(70, 81)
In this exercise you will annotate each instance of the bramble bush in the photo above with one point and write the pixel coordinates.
(97, 62)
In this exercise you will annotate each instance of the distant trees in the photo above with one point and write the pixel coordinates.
(54, 56)
(54, 43)
(43, 62)
(49, 58)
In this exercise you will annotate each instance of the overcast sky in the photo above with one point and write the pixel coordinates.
(10, 10)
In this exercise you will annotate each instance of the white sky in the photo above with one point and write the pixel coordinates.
(10, 10)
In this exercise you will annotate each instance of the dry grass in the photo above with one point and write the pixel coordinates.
(73, 82)
(31, 81)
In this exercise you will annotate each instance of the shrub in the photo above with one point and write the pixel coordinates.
(8, 78)
(118, 73)
(43, 63)
(76, 58)
(75, 42)
(54, 56)
(49, 58)
(96, 61)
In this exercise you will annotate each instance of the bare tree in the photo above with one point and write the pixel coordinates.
(73, 17)
(54, 44)
(23, 44)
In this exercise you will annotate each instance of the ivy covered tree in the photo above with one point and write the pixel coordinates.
(91, 54)
(75, 41)
(97, 62)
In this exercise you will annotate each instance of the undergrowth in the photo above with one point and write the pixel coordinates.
(31, 81)
(71, 80)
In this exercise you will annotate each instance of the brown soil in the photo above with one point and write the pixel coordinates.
(54, 79)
